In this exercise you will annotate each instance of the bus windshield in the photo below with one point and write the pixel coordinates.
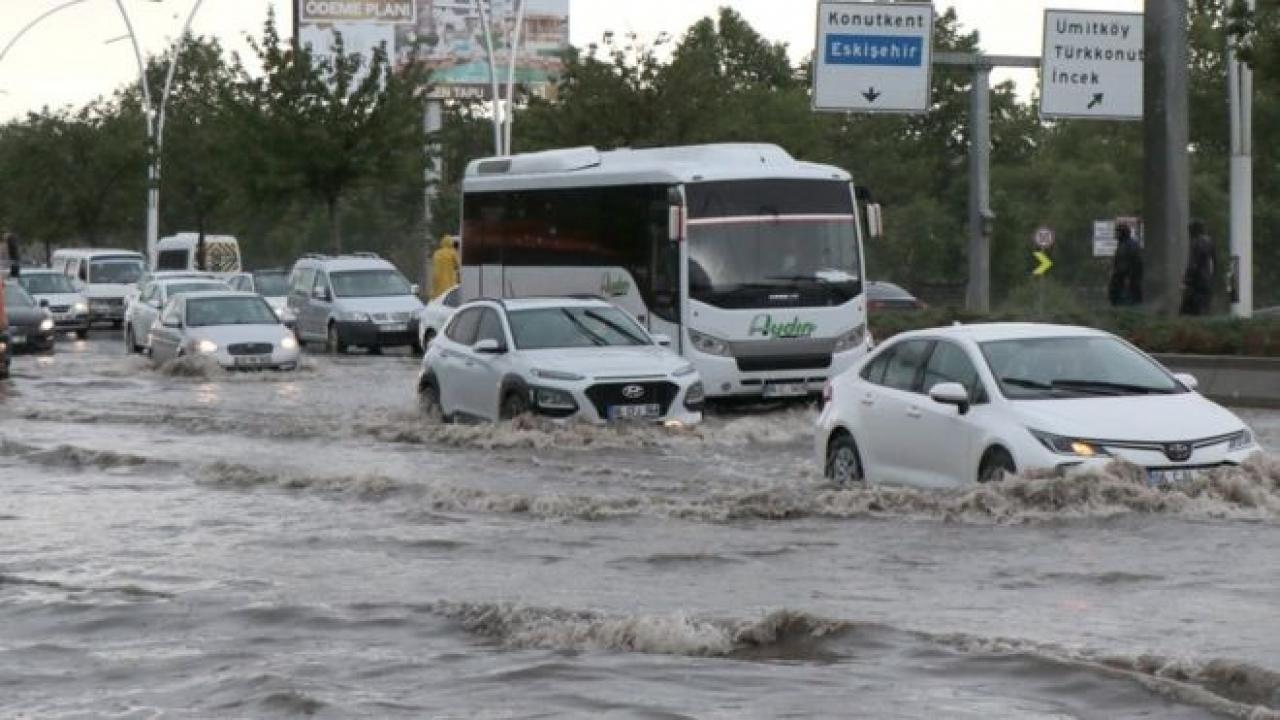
(743, 262)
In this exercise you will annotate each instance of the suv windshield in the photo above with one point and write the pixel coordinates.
(369, 283)
(271, 284)
(1074, 367)
(204, 312)
(574, 327)
(15, 296)
(750, 262)
(115, 271)
(46, 283)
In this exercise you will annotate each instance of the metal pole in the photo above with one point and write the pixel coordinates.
(511, 77)
(153, 199)
(432, 123)
(978, 297)
(153, 171)
(486, 22)
(33, 23)
(1240, 84)
(1167, 168)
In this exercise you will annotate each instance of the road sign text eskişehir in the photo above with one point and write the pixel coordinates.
(873, 57)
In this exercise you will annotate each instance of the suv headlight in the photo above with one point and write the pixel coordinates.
(553, 399)
(695, 396)
(557, 375)
(708, 344)
(1241, 440)
(851, 339)
(1070, 446)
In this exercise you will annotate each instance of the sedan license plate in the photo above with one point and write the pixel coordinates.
(634, 412)
(252, 360)
(394, 327)
(786, 389)
(19, 339)
(1172, 476)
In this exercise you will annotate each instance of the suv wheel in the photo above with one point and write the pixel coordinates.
(514, 404)
(334, 343)
(130, 343)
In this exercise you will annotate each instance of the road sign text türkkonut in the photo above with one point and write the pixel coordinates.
(1092, 65)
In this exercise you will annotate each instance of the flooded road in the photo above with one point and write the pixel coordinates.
(194, 544)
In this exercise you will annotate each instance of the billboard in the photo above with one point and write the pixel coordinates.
(449, 37)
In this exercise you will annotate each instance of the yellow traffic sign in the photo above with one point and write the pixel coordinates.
(1045, 263)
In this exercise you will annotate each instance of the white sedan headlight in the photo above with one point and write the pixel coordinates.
(1241, 441)
(206, 346)
(1070, 446)
(289, 343)
(708, 344)
(80, 308)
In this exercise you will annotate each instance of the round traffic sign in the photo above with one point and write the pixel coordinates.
(1044, 238)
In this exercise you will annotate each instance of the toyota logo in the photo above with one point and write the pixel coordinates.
(633, 392)
(1177, 452)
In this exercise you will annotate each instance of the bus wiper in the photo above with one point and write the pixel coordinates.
(1109, 388)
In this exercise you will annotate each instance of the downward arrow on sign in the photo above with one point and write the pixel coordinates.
(1096, 101)
(871, 95)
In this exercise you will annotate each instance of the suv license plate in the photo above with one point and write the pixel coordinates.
(786, 389)
(634, 412)
(1175, 476)
(253, 360)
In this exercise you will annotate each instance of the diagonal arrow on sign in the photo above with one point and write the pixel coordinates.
(1043, 267)
(1095, 101)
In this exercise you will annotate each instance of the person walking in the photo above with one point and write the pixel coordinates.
(1197, 282)
(1125, 287)
(445, 265)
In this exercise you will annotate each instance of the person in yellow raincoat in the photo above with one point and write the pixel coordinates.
(445, 265)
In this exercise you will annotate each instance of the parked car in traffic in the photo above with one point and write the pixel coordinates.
(105, 277)
(353, 300)
(883, 295)
(436, 314)
(31, 327)
(272, 285)
(236, 329)
(951, 406)
(558, 358)
(4, 354)
(53, 291)
(142, 312)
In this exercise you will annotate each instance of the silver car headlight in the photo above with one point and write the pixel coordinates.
(1074, 447)
(708, 344)
(46, 324)
(851, 339)
(1241, 441)
(80, 308)
(557, 375)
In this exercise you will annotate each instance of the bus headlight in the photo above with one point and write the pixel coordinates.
(851, 339)
(708, 344)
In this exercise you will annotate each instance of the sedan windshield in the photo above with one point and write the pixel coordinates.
(180, 288)
(575, 327)
(47, 283)
(369, 283)
(204, 312)
(15, 296)
(1073, 367)
(271, 284)
(121, 271)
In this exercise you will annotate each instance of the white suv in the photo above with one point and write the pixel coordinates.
(559, 358)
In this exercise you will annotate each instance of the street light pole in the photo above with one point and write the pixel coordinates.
(511, 78)
(18, 36)
(1240, 84)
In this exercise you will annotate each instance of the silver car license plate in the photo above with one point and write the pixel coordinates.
(252, 360)
(1171, 476)
(634, 412)
(785, 389)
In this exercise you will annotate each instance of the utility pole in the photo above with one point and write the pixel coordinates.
(1240, 85)
(1167, 189)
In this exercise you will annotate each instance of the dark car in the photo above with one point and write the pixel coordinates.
(4, 355)
(887, 296)
(30, 326)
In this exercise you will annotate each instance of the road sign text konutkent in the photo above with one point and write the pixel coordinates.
(873, 57)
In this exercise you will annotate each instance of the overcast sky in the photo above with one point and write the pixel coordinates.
(67, 59)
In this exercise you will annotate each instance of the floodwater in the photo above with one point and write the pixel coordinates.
(189, 544)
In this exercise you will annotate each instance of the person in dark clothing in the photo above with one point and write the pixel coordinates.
(1197, 283)
(1126, 270)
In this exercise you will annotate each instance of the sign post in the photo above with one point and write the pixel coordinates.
(873, 57)
(1092, 66)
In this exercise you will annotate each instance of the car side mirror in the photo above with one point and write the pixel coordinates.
(950, 393)
(663, 340)
(489, 346)
(1188, 380)
(321, 294)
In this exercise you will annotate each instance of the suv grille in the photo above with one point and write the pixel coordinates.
(59, 308)
(250, 349)
(604, 395)
(766, 363)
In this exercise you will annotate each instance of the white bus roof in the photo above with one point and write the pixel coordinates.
(587, 166)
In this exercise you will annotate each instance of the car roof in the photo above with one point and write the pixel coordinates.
(166, 282)
(212, 294)
(543, 303)
(991, 332)
(346, 262)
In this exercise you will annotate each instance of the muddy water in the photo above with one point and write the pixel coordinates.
(191, 544)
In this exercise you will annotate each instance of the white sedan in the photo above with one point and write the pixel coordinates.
(141, 312)
(236, 329)
(951, 406)
(435, 315)
(558, 358)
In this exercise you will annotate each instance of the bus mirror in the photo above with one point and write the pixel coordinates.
(675, 223)
(875, 221)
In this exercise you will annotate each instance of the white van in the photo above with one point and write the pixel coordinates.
(180, 252)
(103, 276)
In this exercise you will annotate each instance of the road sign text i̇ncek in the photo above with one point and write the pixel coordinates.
(1092, 65)
(873, 57)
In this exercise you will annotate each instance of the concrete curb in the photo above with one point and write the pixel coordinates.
(1232, 380)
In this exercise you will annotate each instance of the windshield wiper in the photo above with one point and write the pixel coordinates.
(1109, 388)
(594, 338)
(614, 326)
(1025, 383)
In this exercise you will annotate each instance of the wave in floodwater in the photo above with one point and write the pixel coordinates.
(203, 367)
(1251, 492)
(70, 456)
(1233, 688)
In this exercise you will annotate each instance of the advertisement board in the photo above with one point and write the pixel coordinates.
(448, 36)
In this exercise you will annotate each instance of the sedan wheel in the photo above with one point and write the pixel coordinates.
(996, 466)
(429, 401)
(844, 468)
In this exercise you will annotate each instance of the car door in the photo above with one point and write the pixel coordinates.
(953, 437)
(147, 310)
(450, 367)
(167, 335)
(299, 294)
(888, 418)
(315, 311)
(483, 372)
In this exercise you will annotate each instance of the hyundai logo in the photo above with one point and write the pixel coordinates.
(1177, 452)
(633, 392)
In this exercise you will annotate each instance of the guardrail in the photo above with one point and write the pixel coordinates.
(1232, 380)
